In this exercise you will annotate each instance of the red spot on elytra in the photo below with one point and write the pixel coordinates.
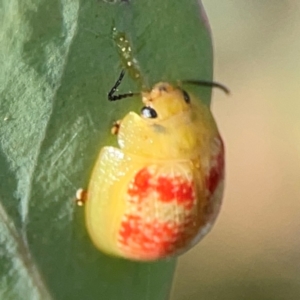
(175, 189)
(166, 189)
(145, 233)
(140, 184)
(185, 193)
(152, 240)
(217, 171)
(130, 227)
(169, 188)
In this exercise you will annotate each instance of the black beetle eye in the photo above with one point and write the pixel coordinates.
(186, 97)
(148, 112)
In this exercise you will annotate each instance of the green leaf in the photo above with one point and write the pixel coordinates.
(58, 61)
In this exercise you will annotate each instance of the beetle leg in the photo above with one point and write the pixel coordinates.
(115, 128)
(81, 197)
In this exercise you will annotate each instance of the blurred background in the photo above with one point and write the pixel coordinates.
(253, 252)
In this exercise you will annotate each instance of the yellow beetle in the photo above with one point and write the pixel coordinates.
(160, 192)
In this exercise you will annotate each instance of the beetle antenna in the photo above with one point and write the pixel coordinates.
(112, 97)
(208, 84)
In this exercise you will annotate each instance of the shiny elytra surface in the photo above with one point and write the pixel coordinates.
(159, 193)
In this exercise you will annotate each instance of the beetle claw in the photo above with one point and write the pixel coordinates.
(115, 128)
(81, 197)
